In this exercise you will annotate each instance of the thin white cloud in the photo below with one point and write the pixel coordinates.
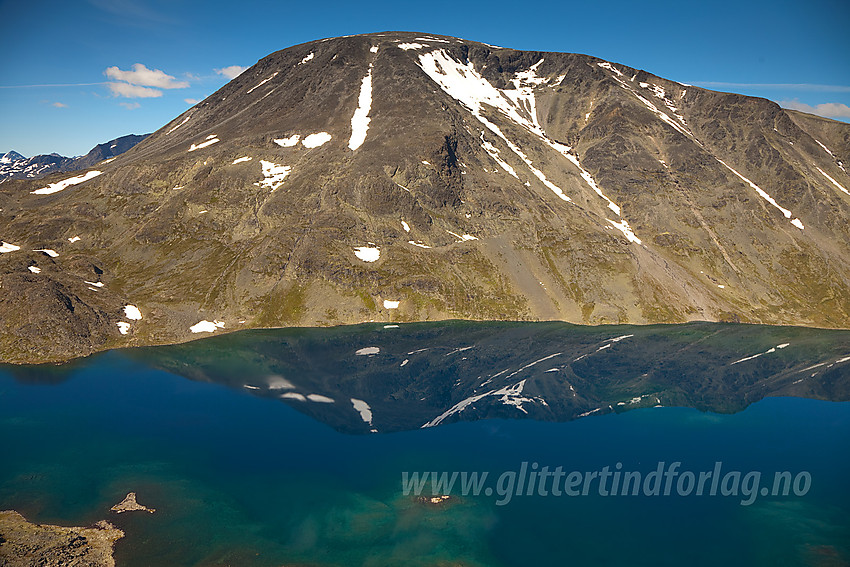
(130, 105)
(827, 109)
(60, 105)
(132, 91)
(142, 76)
(231, 72)
(54, 85)
(132, 12)
(774, 86)
(191, 100)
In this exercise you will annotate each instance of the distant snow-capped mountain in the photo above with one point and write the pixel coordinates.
(10, 157)
(15, 166)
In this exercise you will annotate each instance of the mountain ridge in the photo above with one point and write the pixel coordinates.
(15, 166)
(490, 184)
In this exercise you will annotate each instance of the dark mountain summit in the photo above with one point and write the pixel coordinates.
(401, 176)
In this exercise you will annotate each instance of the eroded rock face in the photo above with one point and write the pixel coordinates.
(493, 184)
(23, 544)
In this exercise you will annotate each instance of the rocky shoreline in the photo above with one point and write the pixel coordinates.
(24, 544)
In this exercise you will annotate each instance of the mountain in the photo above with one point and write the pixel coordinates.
(401, 177)
(9, 157)
(32, 168)
(15, 166)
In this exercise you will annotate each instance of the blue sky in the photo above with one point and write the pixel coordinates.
(160, 56)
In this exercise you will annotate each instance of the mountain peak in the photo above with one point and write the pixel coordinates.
(10, 157)
(404, 176)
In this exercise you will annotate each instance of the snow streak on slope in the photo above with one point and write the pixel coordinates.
(623, 226)
(360, 120)
(683, 129)
(261, 83)
(65, 183)
(796, 222)
(509, 395)
(494, 153)
(463, 83)
(208, 142)
(834, 182)
(185, 120)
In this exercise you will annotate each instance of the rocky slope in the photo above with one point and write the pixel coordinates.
(402, 177)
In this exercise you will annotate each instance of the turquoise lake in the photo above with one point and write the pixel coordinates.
(240, 473)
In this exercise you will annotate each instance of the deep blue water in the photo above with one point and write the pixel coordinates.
(241, 480)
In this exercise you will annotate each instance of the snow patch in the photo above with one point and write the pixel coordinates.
(74, 239)
(5, 247)
(405, 226)
(606, 65)
(389, 304)
(368, 351)
(307, 58)
(360, 120)
(363, 409)
(316, 140)
(209, 141)
(318, 398)
(123, 327)
(132, 312)
(48, 251)
(409, 46)
(206, 326)
(623, 226)
(462, 237)
(64, 184)
(287, 142)
(293, 396)
(240, 160)
(35, 269)
(274, 174)
(367, 254)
